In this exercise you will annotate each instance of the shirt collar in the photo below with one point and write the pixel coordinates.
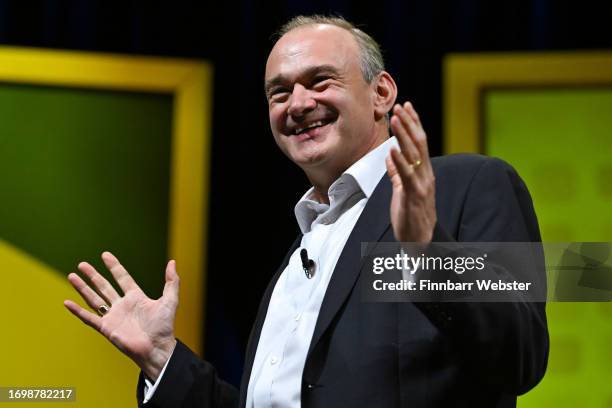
(366, 172)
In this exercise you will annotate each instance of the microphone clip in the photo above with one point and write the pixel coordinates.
(307, 264)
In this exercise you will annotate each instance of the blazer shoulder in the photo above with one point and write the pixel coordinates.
(458, 171)
(457, 174)
(467, 163)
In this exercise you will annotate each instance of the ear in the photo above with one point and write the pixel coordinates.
(385, 93)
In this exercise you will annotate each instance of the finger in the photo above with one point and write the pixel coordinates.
(88, 294)
(409, 108)
(100, 284)
(391, 169)
(413, 128)
(396, 180)
(86, 316)
(401, 130)
(420, 137)
(171, 287)
(121, 275)
(412, 184)
(405, 170)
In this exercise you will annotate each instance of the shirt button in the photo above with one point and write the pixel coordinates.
(297, 317)
(273, 360)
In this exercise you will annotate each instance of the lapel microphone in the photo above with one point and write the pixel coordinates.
(307, 264)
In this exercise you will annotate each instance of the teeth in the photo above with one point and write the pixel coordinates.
(314, 124)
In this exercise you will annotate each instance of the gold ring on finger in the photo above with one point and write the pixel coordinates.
(416, 163)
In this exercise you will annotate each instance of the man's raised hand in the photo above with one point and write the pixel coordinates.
(413, 205)
(142, 328)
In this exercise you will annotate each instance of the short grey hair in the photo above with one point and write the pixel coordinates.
(372, 62)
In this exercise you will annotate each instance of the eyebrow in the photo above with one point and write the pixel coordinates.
(307, 73)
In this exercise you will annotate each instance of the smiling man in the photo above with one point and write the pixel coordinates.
(315, 343)
(324, 113)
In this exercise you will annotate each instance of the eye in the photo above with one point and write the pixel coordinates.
(321, 81)
(278, 94)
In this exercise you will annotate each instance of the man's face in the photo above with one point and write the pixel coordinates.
(321, 108)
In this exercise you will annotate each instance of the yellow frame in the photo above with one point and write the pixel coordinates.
(467, 75)
(190, 82)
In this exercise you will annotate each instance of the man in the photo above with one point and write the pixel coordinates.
(315, 343)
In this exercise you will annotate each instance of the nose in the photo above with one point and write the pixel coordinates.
(301, 101)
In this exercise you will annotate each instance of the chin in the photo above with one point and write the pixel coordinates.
(311, 153)
(309, 161)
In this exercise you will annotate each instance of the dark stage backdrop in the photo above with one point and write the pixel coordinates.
(254, 188)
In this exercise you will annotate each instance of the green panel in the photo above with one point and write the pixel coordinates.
(85, 171)
(560, 141)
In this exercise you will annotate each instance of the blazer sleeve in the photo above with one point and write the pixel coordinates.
(507, 343)
(189, 382)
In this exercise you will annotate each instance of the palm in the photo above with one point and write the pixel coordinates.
(142, 328)
(135, 321)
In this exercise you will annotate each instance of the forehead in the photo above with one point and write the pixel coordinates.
(312, 45)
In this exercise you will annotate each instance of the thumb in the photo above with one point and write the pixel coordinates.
(392, 172)
(171, 288)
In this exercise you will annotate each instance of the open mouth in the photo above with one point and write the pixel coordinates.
(309, 129)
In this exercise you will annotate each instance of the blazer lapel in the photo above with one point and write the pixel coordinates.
(371, 225)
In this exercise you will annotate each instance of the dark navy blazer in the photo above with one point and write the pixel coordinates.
(405, 354)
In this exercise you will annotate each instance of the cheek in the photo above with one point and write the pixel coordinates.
(277, 118)
(273, 119)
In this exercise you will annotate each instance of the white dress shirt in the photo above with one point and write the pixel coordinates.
(276, 376)
(150, 388)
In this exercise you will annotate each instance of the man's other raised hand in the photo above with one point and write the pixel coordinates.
(141, 327)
